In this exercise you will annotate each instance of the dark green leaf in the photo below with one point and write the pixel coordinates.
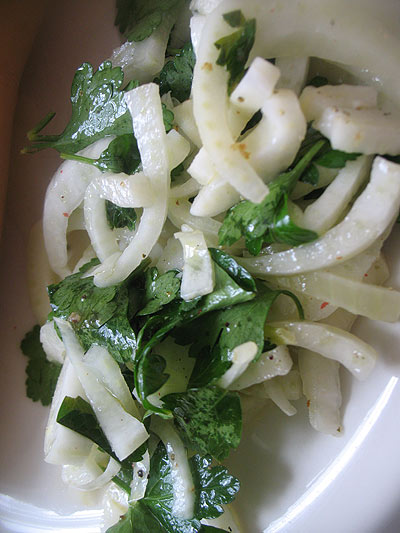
(223, 330)
(318, 81)
(41, 374)
(177, 74)
(235, 49)
(98, 109)
(159, 290)
(151, 372)
(253, 221)
(99, 315)
(214, 487)
(137, 19)
(285, 230)
(208, 419)
(335, 159)
(235, 271)
(234, 18)
(120, 217)
(168, 118)
(310, 175)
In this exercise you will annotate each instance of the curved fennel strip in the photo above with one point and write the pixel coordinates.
(293, 72)
(321, 387)
(124, 432)
(179, 214)
(370, 216)
(182, 481)
(91, 475)
(52, 344)
(39, 274)
(148, 126)
(140, 475)
(64, 194)
(242, 356)
(331, 342)
(276, 393)
(198, 272)
(61, 444)
(328, 208)
(276, 362)
(142, 60)
(210, 111)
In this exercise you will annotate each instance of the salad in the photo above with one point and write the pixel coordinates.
(214, 209)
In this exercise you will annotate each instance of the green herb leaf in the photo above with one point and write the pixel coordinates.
(41, 374)
(235, 48)
(234, 18)
(335, 158)
(98, 109)
(159, 290)
(243, 278)
(177, 73)
(120, 217)
(253, 221)
(99, 315)
(214, 487)
(226, 292)
(209, 419)
(223, 331)
(137, 19)
(152, 375)
(318, 81)
(283, 229)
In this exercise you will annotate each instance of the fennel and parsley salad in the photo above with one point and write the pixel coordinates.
(219, 201)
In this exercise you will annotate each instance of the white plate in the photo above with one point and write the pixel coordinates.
(293, 479)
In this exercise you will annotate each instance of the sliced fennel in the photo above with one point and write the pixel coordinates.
(321, 387)
(182, 482)
(145, 106)
(357, 356)
(124, 432)
(241, 358)
(370, 216)
(198, 272)
(276, 362)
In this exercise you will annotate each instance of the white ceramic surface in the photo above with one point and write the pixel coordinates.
(293, 479)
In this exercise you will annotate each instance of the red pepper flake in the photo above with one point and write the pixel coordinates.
(61, 171)
(339, 257)
(177, 202)
(66, 215)
(308, 403)
(365, 275)
(324, 304)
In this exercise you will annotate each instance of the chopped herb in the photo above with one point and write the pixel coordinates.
(98, 109)
(137, 19)
(235, 48)
(255, 221)
(41, 374)
(177, 73)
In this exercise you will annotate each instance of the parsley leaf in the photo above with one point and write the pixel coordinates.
(122, 155)
(159, 290)
(235, 48)
(209, 419)
(177, 73)
(225, 329)
(214, 487)
(98, 314)
(41, 374)
(120, 217)
(227, 292)
(137, 19)
(98, 109)
(254, 221)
